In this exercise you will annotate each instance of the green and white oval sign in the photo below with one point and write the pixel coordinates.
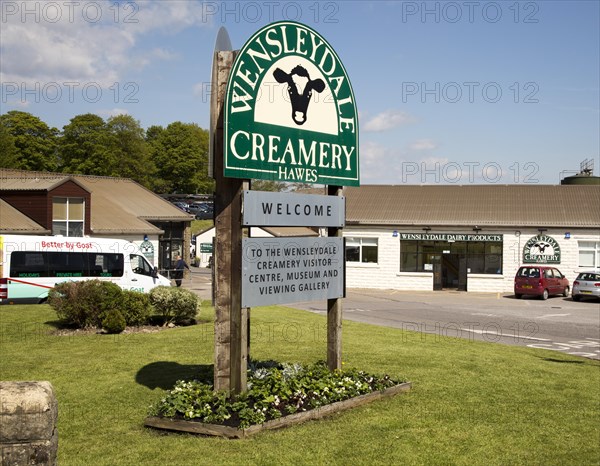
(541, 249)
(290, 113)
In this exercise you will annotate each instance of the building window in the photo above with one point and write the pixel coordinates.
(589, 254)
(420, 256)
(362, 250)
(68, 214)
(484, 257)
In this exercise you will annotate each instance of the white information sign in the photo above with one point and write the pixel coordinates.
(288, 270)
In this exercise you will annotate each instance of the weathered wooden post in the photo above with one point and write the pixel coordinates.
(230, 320)
(334, 306)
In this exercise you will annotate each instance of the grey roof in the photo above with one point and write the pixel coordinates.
(469, 205)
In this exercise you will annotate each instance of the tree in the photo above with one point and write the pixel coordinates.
(9, 155)
(85, 147)
(154, 144)
(129, 147)
(34, 141)
(268, 185)
(180, 153)
(279, 186)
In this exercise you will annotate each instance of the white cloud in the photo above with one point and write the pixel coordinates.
(163, 54)
(379, 164)
(382, 164)
(423, 145)
(387, 120)
(82, 42)
(112, 112)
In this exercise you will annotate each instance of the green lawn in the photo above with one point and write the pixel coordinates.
(200, 225)
(471, 402)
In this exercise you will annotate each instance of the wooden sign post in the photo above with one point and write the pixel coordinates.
(334, 307)
(231, 333)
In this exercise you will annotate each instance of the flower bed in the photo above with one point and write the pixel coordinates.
(277, 395)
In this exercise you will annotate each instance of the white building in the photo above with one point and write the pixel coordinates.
(470, 238)
(204, 240)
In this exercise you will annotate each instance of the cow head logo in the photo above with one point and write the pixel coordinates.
(300, 89)
(541, 247)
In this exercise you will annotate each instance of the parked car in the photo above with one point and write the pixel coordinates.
(202, 210)
(182, 205)
(542, 281)
(586, 284)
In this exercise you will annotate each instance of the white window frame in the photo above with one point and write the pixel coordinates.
(66, 220)
(361, 243)
(588, 247)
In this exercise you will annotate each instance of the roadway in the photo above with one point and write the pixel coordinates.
(558, 324)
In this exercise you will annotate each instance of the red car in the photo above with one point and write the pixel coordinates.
(540, 280)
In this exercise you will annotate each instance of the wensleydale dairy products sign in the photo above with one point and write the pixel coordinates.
(287, 270)
(449, 237)
(290, 113)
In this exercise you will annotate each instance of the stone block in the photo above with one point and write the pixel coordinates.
(28, 419)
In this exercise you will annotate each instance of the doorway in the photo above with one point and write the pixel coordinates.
(454, 272)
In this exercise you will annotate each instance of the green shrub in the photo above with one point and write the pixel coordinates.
(174, 304)
(113, 321)
(136, 307)
(63, 298)
(85, 303)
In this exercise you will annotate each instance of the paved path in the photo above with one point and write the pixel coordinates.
(199, 280)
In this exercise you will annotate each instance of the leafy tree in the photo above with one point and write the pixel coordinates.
(34, 141)
(9, 155)
(299, 186)
(153, 133)
(85, 147)
(180, 153)
(268, 185)
(279, 186)
(129, 147)
(154, 143)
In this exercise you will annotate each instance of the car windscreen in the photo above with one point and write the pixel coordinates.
(591, 277)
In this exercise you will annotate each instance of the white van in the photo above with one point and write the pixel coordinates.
(31, 265)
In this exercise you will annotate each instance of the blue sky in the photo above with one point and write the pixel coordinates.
(447, 92)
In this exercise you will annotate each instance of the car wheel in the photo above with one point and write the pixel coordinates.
(518, 296)
(566, 292)
(576, 297)
(544, 295)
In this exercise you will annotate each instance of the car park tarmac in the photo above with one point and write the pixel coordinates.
(557, 324)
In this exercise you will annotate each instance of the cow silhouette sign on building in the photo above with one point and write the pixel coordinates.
(290, 113)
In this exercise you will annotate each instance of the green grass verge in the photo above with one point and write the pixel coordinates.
(200, 225)
(471, 402)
